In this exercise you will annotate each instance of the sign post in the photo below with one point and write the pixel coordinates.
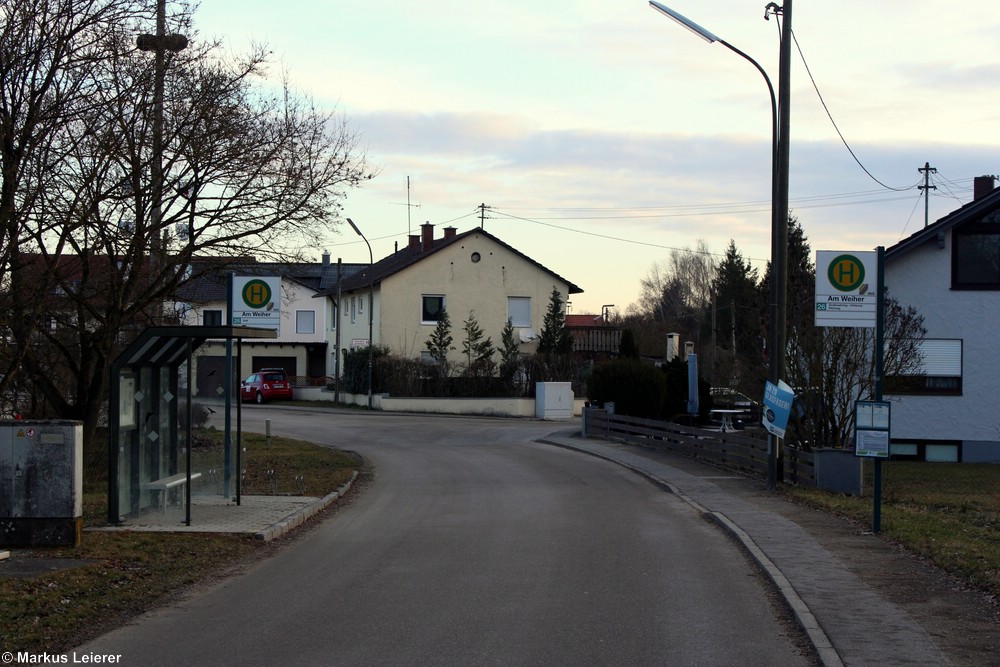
(845, 298)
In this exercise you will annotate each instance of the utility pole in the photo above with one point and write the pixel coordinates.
(927, 170)
(482, 215)
(732, 326)
(337, 321)
(779, 230)
(159, 44)
(715, 349)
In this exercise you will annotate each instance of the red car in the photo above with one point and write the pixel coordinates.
(266, 385)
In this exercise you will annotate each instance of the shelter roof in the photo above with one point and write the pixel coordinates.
(168, 346)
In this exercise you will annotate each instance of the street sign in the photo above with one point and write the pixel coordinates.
(256, 302)
(846, 288)
(777, 408)
(871, 429)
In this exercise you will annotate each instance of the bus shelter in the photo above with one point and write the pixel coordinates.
(150, 418)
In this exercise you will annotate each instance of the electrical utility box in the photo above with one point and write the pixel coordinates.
(554, 400)
(41, 483)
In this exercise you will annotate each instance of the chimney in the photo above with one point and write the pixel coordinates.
(673, 342)
(449, 232)
(326, 258)
(414, 243)
(982, 186)
(427, 236)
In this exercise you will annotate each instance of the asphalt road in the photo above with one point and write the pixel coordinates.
(475, 545)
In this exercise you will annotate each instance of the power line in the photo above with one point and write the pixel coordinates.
(909, 218)
(615, 238)
(697, 210)
(962, 188)
(753, 206)
(834, 123)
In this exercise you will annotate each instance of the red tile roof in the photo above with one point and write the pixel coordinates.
(579, 321)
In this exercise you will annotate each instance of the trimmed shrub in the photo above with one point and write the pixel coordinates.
(637, 389)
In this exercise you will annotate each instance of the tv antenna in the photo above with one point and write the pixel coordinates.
(408, 205)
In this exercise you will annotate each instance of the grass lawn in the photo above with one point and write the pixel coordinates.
(946, 512)
(128, 573)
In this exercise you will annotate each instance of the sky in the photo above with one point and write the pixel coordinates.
(602, 136)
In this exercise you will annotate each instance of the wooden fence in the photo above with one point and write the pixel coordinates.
(732, 450)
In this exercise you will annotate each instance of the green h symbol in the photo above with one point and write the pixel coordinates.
(846, 273)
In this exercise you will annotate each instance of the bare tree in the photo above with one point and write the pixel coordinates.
(47, 65)
(676, 294)
(833, 367)
(93, 249)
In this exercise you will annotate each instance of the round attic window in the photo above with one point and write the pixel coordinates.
(475, 257)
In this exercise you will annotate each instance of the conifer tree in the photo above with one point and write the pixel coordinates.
(478, 352)
(439, 343)
(509, 347)
(555, 338)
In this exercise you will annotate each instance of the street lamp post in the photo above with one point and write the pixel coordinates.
(371, 307)
(779, 196)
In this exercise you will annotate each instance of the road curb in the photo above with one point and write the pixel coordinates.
(803, 615)
(299, 517)
(820, 641)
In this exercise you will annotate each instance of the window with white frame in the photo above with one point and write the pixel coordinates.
(939, 370)
(432, 307)
(354, 310)
(519, 311)
(305, 321)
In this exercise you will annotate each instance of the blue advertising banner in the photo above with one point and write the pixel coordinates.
(693, 384)
(777, 407)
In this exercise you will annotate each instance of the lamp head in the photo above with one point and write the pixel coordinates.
(684, 21)
(355, 228)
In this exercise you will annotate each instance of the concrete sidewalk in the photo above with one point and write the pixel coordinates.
(264, 517)
(847, 622)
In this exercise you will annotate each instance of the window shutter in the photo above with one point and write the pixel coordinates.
(941, 358)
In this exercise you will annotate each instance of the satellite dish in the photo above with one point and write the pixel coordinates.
(528, 335)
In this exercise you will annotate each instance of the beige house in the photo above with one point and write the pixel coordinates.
(473, 272)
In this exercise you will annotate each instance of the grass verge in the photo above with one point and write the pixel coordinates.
(947, 513)
(128, 573)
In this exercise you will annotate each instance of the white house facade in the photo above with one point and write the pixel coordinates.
(949, 408)
(306, 324)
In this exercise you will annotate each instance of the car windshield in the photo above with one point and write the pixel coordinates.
(274, 377)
